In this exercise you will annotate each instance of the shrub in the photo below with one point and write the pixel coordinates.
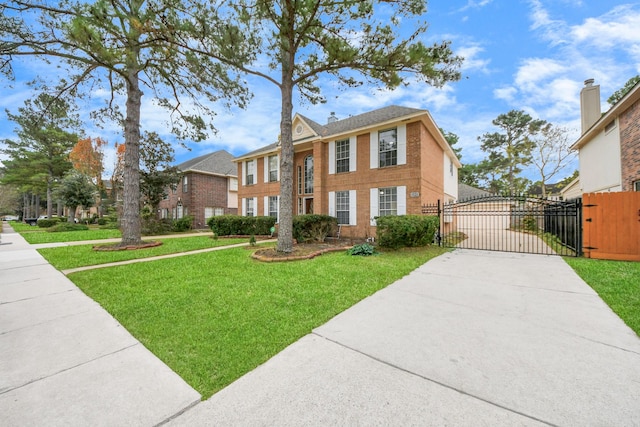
(48, 222)
(233, 225)
(406, 230)
(364, 249)
(183, 224)
(154, 226)
(529, 223)
(313, 228)
(65, 226)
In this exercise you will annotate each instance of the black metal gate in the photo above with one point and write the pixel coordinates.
(525, 224)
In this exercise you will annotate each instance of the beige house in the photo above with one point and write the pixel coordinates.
(609, 148)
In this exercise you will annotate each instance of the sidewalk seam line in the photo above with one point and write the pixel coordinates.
(69, 368)
(435, 381)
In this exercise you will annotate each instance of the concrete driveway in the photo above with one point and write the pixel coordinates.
(470, 338)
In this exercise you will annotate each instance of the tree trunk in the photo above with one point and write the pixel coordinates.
(130, 221)
(49, 196)
(285, 231)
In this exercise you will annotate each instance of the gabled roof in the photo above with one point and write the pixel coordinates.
(361, 122)
(217, 163)
(618, 108)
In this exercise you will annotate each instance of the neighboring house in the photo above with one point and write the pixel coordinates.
(208, 187)
(389, 161)
(609, 148)
(466, 192)
(571, 190)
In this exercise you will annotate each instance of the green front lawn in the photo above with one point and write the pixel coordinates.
(617, 283)
(215, 316)
(66, 257)
(35, 235)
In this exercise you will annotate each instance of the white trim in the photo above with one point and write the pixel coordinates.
(373, 150)
(244, 173)
(243, 202)
(402, 144)
(352, 207)
(401, 206)
(373, 205)
(332, 204)
(353, 157)
(332, 157)
(266, 205)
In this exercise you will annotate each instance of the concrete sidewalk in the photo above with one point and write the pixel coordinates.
(470, 338)
(65, 361)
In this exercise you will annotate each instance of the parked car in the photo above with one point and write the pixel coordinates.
(10, 218)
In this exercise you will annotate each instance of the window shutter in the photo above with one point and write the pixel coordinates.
(255, 206)
(353, 158)
(332, 157)
(265, 161)
(373, 205)
(244, 206)
(402, 200)
(244, 173)
(402, 144)
(266, 205)
(373, 150)
(352, 207)
(278, 174)
(332, 203)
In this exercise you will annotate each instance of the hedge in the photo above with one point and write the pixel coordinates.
(312, 227)
(406, 230)
(234, 225)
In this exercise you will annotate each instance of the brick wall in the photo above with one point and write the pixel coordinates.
(629, 122)
(203, 191)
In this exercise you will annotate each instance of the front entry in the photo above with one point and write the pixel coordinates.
(308, 205)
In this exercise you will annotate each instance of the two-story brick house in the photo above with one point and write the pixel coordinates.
(208, 187)
(389, 161)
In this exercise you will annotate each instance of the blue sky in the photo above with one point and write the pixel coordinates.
(532, 55)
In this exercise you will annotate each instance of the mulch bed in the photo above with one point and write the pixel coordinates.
(301, 251)
(118, 247)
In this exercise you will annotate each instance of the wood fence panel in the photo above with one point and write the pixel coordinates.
(611, 225)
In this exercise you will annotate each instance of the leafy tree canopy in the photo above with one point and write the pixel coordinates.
(620, 93)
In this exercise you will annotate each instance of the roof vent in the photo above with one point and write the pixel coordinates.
(332, 118)
(589, 82)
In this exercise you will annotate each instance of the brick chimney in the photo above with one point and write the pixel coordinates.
(589, 104)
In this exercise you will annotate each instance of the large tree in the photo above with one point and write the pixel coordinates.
(292, 43)
(127, 47)
(511, 147)
(551, 153)
(39, 157)
(157, 173)
(76, 189)
(620, 93)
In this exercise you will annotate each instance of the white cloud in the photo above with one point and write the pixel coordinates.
(472, 61)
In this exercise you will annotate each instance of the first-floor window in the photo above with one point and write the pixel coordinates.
(165, 213)
(211, 212)
(388, 201)
(249, 207)
(636, 186)
(342, 207)
(273, 206)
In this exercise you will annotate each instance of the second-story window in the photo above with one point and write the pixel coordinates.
(342, 156)
(388, 147)
(273, 168)
(308, 175)
(251, 171)
(185, 184)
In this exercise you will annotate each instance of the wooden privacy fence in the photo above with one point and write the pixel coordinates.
(611, 225)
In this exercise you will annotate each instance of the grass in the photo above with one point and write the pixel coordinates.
(35, 235)
(67, 257)
(617, 283)
(215, 316)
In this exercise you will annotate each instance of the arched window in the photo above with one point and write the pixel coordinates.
(308, 175)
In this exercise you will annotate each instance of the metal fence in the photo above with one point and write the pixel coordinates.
(526, 224)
